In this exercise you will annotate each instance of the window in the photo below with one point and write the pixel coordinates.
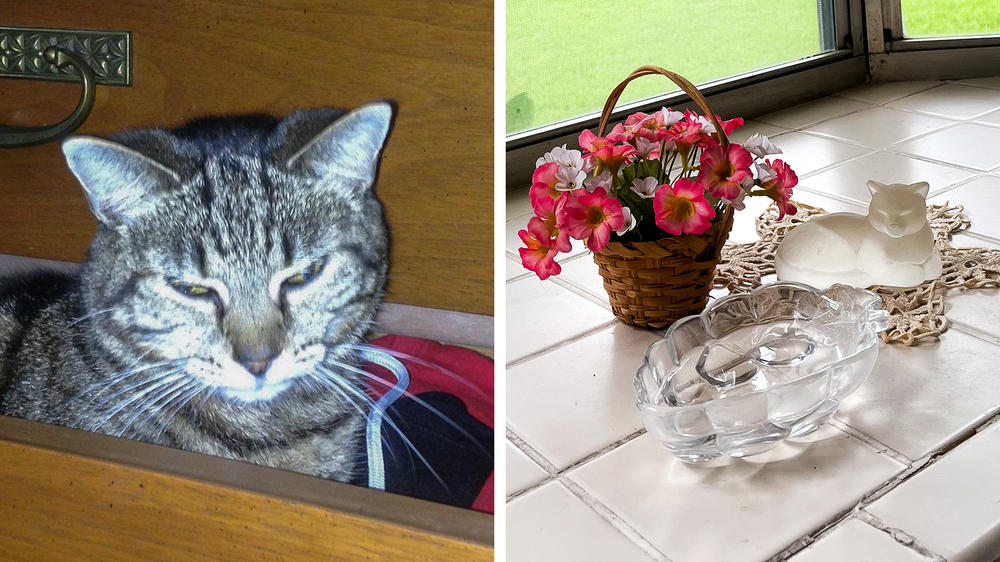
(939, 18)
(563, 58)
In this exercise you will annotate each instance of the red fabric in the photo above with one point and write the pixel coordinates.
(474, 387)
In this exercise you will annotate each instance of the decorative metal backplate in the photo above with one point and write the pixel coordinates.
(109, 54)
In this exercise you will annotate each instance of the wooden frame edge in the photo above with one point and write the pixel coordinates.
(43, 461)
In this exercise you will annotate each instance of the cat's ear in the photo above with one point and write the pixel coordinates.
(922, 188)
(348, 149)
(874, 186)
(121, 184)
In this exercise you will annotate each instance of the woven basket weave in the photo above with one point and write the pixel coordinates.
(653, 284)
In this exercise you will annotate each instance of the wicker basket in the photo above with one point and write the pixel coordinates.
(653, 284)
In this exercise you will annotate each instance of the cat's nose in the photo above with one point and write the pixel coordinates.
(256, 359)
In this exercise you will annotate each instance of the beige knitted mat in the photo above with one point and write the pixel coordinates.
(917, 313)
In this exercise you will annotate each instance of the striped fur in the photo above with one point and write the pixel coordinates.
(235, 204)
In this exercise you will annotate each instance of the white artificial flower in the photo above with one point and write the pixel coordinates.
(645, 187)
(565, 158)
(738, 202)
(602, 180)
(706, 125)
(671, 117)
(760, 146)
(568, 179)
(645, 146)
(629, 222)
(764, 172)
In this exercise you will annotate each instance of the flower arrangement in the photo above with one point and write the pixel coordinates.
(665, 174)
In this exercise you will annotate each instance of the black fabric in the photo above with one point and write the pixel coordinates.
(461, 456)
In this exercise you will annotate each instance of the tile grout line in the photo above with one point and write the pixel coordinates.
(878, 446)
(958, 184)
(613, 519)
(980, 236)
(561, 343)
(580, 291)
(927, 89)
(885, 488)
(556, 472)
(901, 537)
(602, 511)
(964, 328)
(913, 467)
(533, 454)
(885, 104)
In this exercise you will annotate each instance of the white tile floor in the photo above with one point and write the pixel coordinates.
(885, 482)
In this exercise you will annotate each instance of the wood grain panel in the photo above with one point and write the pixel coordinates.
(130, 500)
(63, 507)
(199, 57)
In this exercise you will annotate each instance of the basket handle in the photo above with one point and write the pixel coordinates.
(681, 82)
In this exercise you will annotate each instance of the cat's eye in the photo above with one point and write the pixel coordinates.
(192, 290)
(306, 275)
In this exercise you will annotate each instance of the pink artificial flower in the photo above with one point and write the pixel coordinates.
(591, 217)
(548, 212)
(724, 171)
(543, 192)
(539, 255)
(640, 125)
(592, 143)
(731, 125)
(617, 134)
(786, 208)
(682, 208)
(779, 188)
(687, 133)
(612, 157)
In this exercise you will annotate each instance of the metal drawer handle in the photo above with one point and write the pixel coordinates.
(15, 137)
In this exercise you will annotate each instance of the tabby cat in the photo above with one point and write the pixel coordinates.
(236, 264)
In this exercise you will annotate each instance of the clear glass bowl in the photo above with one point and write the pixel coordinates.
(756, 368)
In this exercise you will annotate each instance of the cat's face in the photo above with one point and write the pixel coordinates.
(898, 210)
(237, 266)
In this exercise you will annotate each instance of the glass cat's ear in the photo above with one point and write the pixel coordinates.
(874, 186)
(922, 188)
(348, 148)
(119, 182)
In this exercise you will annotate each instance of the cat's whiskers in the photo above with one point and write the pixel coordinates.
(76, 321)
(320, 381)
(109, 385)
(178, 395)
(98, 388)
(336, 379)
(152, 405)
(417, 400)
(180, 403)
(171, 377)
(440, 368)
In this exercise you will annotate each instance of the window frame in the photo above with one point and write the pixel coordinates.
(746, 95)
(894, 57)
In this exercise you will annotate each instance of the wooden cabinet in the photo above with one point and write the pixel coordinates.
(74, 495)
(197, 57)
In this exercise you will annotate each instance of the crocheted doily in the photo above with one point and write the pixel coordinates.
(917, 314)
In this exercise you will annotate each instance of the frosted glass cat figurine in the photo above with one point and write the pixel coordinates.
(892, 246)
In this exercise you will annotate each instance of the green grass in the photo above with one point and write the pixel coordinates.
(565, 56)
(928, 18)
